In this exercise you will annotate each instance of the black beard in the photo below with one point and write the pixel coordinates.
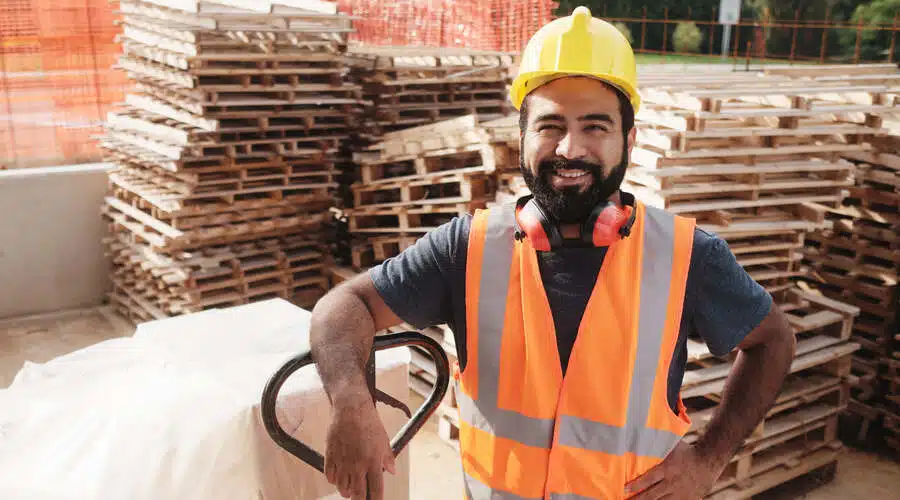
(569, 205)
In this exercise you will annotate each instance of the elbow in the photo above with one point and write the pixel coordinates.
(785, 337)
(781, 343)
(773, 340)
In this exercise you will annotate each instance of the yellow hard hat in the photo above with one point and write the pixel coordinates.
(577, 45)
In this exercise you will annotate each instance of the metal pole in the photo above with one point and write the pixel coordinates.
(726, 40)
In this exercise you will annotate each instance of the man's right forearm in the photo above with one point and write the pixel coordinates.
(342, 330)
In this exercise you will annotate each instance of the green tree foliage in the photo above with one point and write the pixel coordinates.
(839, 42)
(874, 44)
(687, 37)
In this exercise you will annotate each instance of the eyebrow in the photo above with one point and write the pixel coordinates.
(602, 117)
(547, 117)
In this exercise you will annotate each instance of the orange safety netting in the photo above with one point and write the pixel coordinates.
(502, 25)
(57, 79)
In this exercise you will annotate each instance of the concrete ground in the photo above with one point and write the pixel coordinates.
(435, 467)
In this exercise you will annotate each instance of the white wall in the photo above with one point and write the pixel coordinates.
(51, 232)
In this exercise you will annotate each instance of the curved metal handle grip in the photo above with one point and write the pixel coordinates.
(412, 426)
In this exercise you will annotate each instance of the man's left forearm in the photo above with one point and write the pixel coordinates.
(750, 390)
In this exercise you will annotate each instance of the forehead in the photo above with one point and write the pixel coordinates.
(573, 95)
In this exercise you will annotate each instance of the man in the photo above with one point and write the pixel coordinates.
(570, 309)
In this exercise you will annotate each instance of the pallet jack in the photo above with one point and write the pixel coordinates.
(381, 342)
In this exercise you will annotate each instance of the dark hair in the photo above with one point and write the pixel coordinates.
(625, 108)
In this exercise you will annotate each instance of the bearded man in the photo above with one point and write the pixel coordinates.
(571, 309)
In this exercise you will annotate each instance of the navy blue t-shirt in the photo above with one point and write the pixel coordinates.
(425, 286)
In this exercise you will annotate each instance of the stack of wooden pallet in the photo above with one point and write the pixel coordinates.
(857, 260)
(413, 180)
(761, 159)
(753, 158)
(223, 154)
(891, 377)
(413, 86)
(416, 179)
(799, 434)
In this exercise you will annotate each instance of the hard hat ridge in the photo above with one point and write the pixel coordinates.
(577, 45)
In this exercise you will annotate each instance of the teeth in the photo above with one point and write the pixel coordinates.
(571, 174)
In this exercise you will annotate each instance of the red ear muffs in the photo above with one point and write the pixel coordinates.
(543, 234)
(604, 226)
(607, 224)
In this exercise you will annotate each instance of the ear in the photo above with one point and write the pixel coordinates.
(632, 137)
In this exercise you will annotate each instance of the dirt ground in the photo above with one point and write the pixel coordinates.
(435, 468)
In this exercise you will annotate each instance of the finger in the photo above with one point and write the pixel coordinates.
(376, 483)
(358, 487)
(329, 469)
(390, 463)
(344, 484)
(647, 479)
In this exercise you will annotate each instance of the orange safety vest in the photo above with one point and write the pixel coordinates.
(527, 432)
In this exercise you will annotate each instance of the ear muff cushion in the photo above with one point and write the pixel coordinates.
(608, 223)
(535, 225)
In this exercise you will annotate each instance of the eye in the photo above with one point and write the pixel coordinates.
(594, 127)
(548, 126)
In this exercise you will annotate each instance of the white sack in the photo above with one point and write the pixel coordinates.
(172, 413)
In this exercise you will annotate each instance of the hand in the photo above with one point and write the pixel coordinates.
(684, 474)
(358, 450)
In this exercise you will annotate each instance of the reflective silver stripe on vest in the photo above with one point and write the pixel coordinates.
(505, 423)
(484, 414)
(568, 496)
(635, 437)
(476, 490)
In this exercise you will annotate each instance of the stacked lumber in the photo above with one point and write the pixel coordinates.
(224, 154)
(857, 259)
(891, 405)
(407, 87)
(799, 434)
(753, 158)
(761, 160)
(412, 181)
(412, 86)
(416, 179)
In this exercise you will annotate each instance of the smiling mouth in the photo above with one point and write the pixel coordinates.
(571, 174)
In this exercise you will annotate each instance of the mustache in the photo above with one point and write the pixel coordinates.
(551, 165)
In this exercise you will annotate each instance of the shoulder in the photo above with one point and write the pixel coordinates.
(726, 303)
(419, 283)
(707, 244)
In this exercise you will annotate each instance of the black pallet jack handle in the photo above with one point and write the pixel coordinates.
(409, 429)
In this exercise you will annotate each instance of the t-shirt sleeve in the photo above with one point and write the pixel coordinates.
(729, 303)
(419, 283)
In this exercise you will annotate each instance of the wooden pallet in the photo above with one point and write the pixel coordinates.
(370, 251)
(162, 236)
(729, 146)
(439, 188)
(411, 87)
(219, 275)
(226, 147)
(412, 219)
(416, 179)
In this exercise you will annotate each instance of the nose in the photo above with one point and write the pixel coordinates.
(571, 147)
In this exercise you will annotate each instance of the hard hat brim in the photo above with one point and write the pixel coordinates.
(526, 83)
